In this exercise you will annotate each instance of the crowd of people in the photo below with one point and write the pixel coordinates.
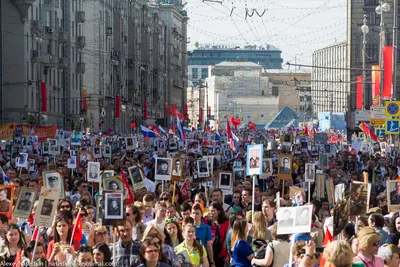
(195, 223)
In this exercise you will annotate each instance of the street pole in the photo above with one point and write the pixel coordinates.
(381, 44)
(364, 30)
(394, 56)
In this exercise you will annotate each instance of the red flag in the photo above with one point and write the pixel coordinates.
(376, 84)
(77, 233)
(173, 111)
(185, 110)
(184, 191)
(328, 238)
(43, 92)
(84, 100)
(368, 132)
(117, 107)
(228, 130)
(387, 75)
(359, 103)
(179, 114)
(234, 121)
(130, 198)
(35, 233)
(18, 258)
(306, 130)
(166, 109)
(201, 115)
(145, 109)
(252, 125)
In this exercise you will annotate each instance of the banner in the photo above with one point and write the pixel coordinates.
(387, 75)
(359, 103)
(145, 109)
(43, 132)
(43, 95)
(376, 83)
(84, 100)
(117, 107)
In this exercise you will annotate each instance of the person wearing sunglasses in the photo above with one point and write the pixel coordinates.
(368, 245)
(150, 255)
(84, 218)
(98, 234)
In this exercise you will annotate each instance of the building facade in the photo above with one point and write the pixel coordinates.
(88, 53)
(330, 86)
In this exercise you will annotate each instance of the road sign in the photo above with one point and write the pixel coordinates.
(392, 126)
(377, 122)
(392, 108)
(380, 132)
(378, 113)
(362, 115)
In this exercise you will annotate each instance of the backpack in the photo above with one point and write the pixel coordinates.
(260, 254)
(217, 244)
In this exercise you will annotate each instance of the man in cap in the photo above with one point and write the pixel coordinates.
(53, 182)
(25, 203)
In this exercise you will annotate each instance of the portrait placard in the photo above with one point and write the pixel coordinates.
(202, 168)
(163, 169)
(177, 168)
(99, 208)
(323, 162)
(267, 168)
(107, 174)
(54, 180)
(93, 172)
(76, 138)
(358, 198)
(97, 152)
(225, 181)
(309, 172)
(48, 199)
(320, 185)
(22, 160)
(6, 199)
(285, 166)
(137, 177)
(25, 201)
(330, 191)
(393, 195)
(239, 174)
(107, 151)
(84, 158)
(114, 206)
(72, 162)
(293, 220)
(254, 159)
(113, 184)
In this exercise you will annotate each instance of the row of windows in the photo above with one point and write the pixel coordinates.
(195, 73)
(236, 54)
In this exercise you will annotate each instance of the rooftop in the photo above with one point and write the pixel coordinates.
(238, 64)
(267, 47)
(287, 71)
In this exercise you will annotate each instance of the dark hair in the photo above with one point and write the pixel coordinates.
(30, 247)
(188, 220)
(168, 240)
(217, 190)
(21, 241)
(147, 243)
(3, 218)
(349, 230)
(80, 182)
(186, 206)
(232, 218)
(84, 249)
(65, 200)
(248, 191)
(148, 198)
(67, 220)
(363, 219)
(103, 248)
(221, 216)
(135, 210)
(377, 219)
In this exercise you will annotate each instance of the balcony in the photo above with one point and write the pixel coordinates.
(80, 41)
(62, 62)
(109, 31)
(62, 35)
(35, 55)
(80, 17)
(80, 68)
(50, 61)
(36, 25)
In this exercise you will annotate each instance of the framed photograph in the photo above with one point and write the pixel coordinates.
(6, 199)
(129, 143)
(309, 172)
(287, 139)
(293, 191)
(17, 139)
(25, 201)
(114, 206)
(323, 161)
(97, 152)
(285, 166)
(72, 162)
(274, 155)
(202, 168)
(393, 195)
(210, 161)
(172, 144)
(113, 184)
(293, 220)
(267, 168)
(160, 143)
(107, 173)
(22, 160)
(48, 199)
(107, 151)
(122, 141)
(73, 153)
(54, 150)
(45, 148)
(359, 198)
(239, 175)
(228, 154)
(225, 181)
(237, 164)
(53, 180)
(93, 172)
(84, 158)
(177, 169)
(76, 138)
(163, 169)
(53, 142)
(99, 208)
(115, 147)
(137, 177)
(32, 165)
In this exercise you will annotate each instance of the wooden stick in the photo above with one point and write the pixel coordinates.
(37, 228)
(283, 188)
(309, 192)
(173, 193)
(20, 172)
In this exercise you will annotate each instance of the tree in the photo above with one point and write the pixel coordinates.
(196, 44)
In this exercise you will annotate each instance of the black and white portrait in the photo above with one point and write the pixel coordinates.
(136, 174)
(107, 173)
(72, 162)
(202, 168)
(83, 160)
(173, 145)
(163, 168)
(114, 206)
(286, 219)
(97, 152)
(53, 180)
(32, 165)
(267, 167)
(358, 198)
(45, 148)
(17, 139)
(25, 202)
(225, 179)
(177, 167)
(160, 145)
(122, 141)
(53, 142)
(47, 207)
(303, 216)
(93, 172)
(285, 165)
(323, 161)
(113, 184)
(293, 220)
(22, 160)
(107, 151)
(237, 164)
(239, 174)
(309, 172)
(129, 143)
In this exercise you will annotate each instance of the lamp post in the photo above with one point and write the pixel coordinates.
(394, 56)
(382, 8)
(365, 30)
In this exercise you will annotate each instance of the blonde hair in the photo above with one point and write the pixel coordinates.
(238, 232)
(151, 226)
(95, 228)
(339, 253)
(260, 226)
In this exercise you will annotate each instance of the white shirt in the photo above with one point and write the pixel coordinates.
(160, 225)
(150, 186)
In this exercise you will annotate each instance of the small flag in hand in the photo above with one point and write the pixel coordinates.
(78, 228)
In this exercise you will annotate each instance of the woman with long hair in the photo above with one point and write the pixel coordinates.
(102, 255)
(221, 222)
(154, 232)
(38, 259)
(13, 244)
(260, 227)
(135, 217)
(192, 247)
(98, 234)
(394, 228)
(84, 218)
(173, 233)
(59, 249)
(241, 250)
(150, 255)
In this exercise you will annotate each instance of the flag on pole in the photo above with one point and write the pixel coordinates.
(368, 132)
(147, 133)
(180, 129)
(161, 129)
(77, 231)
(252, 125)
(234, 121)
(328, 238)
(233, 140)
(130, 198)
(217, 136)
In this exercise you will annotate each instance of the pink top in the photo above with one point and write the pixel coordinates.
(375, 262)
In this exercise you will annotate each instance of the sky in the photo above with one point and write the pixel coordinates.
(296, 27)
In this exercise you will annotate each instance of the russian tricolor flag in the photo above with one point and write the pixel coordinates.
(180, 129)
(162, 131)
(187, 130)
(147, 133)
(217, 136)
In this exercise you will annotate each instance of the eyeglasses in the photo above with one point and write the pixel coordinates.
(169, 220)
(101, 233)
(164, 198)
(152, 251)
(128, 214)
(65, 207)
(84, 214)
(376, 244)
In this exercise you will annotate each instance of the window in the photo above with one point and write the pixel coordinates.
(373, 18)
(48, 18)
(275, 91)
(371, 51)
(204, 73)
(195, 73)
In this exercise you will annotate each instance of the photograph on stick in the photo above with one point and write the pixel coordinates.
(25, 201)
(72, 162)
(22, 160)
(93, 172)
(285, 166)
(267, 168)
(53, 180)
(137, 177)
(293, 220)
(393, 195)
(225, 180)
(113, 184)
(107, 174)
(114, 206)
(163, 169)
(202, 168)
(358, 198)
(6, 199)
(177, 169)
(309, 172)
(254, 159)
(48, 199)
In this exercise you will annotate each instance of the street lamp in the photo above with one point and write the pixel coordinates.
(365, 30)
(380, 10)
